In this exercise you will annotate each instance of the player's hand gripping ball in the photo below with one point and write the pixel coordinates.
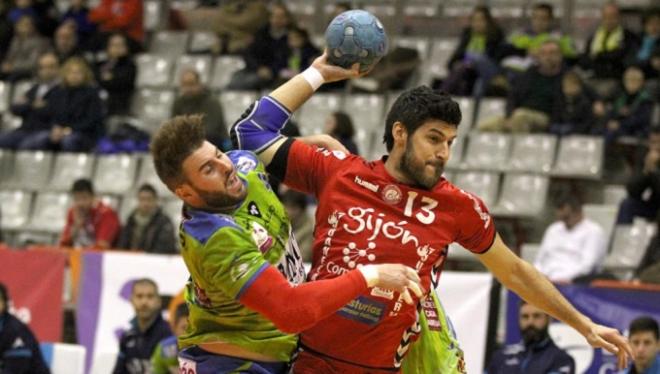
(355, 36)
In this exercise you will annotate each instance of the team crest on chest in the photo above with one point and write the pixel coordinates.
(391, 194)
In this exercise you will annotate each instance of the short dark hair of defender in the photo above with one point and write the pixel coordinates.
(176, 139)
(644, 324)
(147, 187)
(82, 185)
(416, 106)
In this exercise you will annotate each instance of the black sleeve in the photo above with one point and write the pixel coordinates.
(278, 164)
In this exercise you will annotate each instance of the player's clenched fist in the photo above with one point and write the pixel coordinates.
(395, 277)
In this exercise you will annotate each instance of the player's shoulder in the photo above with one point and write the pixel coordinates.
(456, 196)
(245, 161)
(203, 225)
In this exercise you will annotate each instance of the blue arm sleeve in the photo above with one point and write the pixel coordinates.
(260, 125)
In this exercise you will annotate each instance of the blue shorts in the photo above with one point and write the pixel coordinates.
(194, 360)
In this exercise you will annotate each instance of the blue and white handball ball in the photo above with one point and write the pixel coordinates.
(355, 36)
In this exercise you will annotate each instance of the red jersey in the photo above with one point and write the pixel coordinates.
(365, 216)
(102, 223)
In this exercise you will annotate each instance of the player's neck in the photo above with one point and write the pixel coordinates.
(392, 167)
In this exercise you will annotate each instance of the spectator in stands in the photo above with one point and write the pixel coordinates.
(295, 204)
(340, 126)
(164, 359)
(638, 203)
(301, 53)
(609, 49)
(195, 98)
(22, 8)
(66, 42)
(648, 270)
(118, 16)
(523, 46)
(644, 337)
(89, 222)
(574, 114)
(34, 107)
(234, 21)
(534, 97)
(41, 11)
(631, 111)
(573, 246)
(77, 110)
(536, 353)
(475, 58)
(148, 228)
(137, 345)
(78, 16)
(19, 349)
(24, 51)
(268, 53)
(116, 75)
(649, 44)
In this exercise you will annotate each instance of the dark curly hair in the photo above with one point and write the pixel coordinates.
(176, 139)
(416, 106)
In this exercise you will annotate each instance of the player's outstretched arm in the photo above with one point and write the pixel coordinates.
(294, 308)
(259, 128)
(523, 279)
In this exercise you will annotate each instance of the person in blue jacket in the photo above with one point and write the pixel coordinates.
(19, 349)
(536, 353)
(644, 340)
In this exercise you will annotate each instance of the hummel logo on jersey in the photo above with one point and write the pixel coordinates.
(368, 185)
(253, 210)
